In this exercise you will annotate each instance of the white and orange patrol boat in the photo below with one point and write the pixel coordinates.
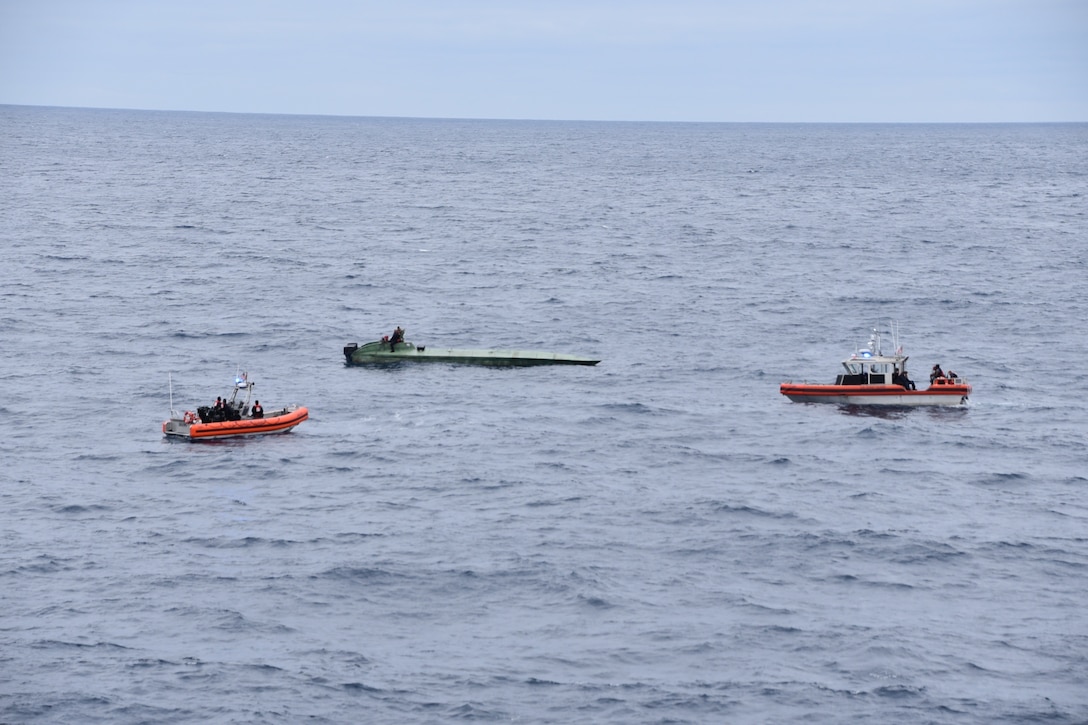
(872, 378)
(232, 416)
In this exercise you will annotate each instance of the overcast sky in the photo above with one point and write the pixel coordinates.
(653, 60)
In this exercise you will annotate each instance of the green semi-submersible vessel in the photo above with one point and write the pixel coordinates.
(384, 351)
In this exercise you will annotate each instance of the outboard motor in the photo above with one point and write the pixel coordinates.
(350, 350)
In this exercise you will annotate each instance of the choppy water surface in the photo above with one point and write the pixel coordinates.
(660, 538)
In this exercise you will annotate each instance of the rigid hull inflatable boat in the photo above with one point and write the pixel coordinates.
(871, 377)
(233, 416)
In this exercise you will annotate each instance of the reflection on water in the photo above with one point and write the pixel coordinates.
(896, 412)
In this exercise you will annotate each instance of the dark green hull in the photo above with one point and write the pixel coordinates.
(379, 353)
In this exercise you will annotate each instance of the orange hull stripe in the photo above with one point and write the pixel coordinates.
(244, 427)
(950, 390)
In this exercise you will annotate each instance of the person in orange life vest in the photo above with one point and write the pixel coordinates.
(258, 411)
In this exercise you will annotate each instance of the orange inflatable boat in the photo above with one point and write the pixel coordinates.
(233, 416)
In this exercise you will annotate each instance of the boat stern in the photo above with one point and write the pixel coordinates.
(176, 427)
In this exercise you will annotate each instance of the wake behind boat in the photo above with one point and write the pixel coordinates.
(873, 378)
(394, 350)
(232, 416)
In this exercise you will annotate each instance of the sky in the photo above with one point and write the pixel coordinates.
(609, 60)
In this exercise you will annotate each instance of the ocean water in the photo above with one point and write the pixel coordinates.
(662, 538)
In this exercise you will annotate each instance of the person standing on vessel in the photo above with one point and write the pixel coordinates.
(398, 336)
(901, 378)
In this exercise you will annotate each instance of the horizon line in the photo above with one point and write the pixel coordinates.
(523, 119)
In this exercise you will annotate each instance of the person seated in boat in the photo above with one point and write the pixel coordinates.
(398, 336)
(901, 378)
(258, 411)
(935, 373)
(951, 375)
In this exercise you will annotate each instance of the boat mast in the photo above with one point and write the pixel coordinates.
(170, 379)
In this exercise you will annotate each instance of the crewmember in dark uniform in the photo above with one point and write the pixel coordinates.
(900, 378)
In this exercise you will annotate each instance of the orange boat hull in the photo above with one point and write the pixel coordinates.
(245, 427)
(942, 394)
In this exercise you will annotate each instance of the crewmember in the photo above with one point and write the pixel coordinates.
(258, 411)
(398, 336)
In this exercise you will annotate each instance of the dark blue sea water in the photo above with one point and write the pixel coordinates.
(662, 538)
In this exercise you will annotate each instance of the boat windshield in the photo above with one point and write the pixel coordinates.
(858, 367)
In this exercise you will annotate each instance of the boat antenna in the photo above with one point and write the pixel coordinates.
(170, 379)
